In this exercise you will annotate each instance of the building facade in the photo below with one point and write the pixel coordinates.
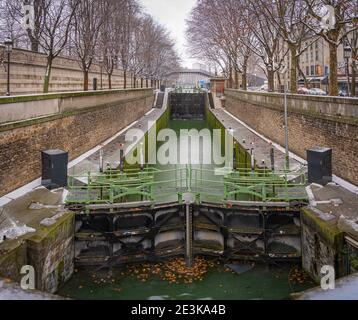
(314, 65)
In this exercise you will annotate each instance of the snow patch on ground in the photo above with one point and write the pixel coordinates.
(349, 226)
(15, 231)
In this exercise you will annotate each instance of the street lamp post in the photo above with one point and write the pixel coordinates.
(286, 126)
(347, 54)
(8, 48)
(287, 152)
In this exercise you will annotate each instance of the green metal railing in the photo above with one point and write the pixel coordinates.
(169, 185)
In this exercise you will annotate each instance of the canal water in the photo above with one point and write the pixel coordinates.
(276, 281)
(263, 282)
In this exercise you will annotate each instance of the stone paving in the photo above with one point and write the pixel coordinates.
(345, 289)
(111, 150)
(12, 291)
(248, 139)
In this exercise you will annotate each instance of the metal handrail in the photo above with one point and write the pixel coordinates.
(115, 186)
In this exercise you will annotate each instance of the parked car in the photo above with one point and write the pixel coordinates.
(302, 90)
(264, 87)
(317, 92)
(342, 93)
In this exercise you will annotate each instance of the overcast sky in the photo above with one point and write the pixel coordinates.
(172, 14)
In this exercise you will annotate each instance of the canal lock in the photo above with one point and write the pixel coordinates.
(171, 227)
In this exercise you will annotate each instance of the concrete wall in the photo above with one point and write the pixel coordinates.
(313, 121)
(322, 245)
(74, 122)
(28, 69)
(51, 252)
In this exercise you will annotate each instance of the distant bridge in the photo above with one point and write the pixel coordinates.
(188, 76)
(203, 73)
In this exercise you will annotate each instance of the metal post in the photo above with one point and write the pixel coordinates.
(287, 155)
(348, 85)
(272, 157)
(188, 235)
(121, 159)
(141, 157)
(252, 159)
(101, 160)
(234, 165)
(8, 74)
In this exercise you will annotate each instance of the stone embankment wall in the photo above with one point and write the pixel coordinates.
(322, 245)
(313, 121)
(74, 122)
(27, 71)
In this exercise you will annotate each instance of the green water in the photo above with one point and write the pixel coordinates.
(262, 283)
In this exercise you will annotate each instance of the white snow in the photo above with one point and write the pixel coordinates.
(15, 231)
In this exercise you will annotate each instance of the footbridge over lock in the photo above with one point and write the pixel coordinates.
(145, 212)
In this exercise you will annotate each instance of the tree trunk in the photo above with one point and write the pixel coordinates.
(230, 77)
(85, 80)
(48, 74)
(141, 82)
(279, 80)
(333, 82)
(34, 43)
(353, 85)
(301, 74)
(293, 69)
(146, 82)
(270, 80)
(236, 86)
(109, 81)
(125, 79)
(244, 77)
(135, 82)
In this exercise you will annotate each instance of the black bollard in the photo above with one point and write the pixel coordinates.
(319, 161)
(54, 168)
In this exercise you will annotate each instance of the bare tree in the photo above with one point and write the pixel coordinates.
(205, 36)
(333, 21)
(153, 51)
(13, 11)
(124, 23)
(266, 42)
(287, 17)
(10, 26)
(353, 43)
(354, 47)
(115, 30)
(56, 23)
(228, 32)
(88, 19)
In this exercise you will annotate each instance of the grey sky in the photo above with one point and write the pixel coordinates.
(172, 14)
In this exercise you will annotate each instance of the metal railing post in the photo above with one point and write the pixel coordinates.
(188, 235)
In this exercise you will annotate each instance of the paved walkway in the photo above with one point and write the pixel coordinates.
(249, 139)
(12, 291)
(345, 289)
(111, 150)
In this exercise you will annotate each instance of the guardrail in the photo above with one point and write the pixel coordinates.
(157, 186)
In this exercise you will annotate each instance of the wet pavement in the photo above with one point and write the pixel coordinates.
(248, 139)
